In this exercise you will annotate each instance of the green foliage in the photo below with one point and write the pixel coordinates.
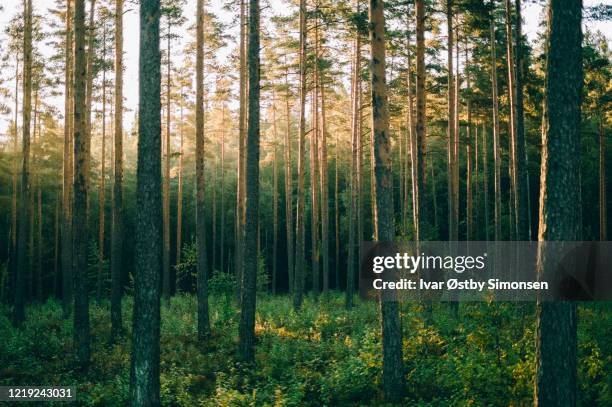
(322, 356)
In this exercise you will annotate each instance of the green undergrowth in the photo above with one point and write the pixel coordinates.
(321, 356)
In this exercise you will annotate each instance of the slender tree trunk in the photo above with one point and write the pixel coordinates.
(288, 190)
(496, 146)
(450, 131)
(101, 188)
(522, 203)
(202, 291)
(56, 246)
(81, 191)
(144, 379)
(337, 215)
(39, 217)
(91, 54)
(393, 369)
(556, 322)
(603, 222)
(354, 176)
(222, 192)
(117, 215)
(274, 194)
(301, 207)
(241, 182)
(420, 142)
(67, 280)
(166, 184)
(179, 193)
(468, 149)
(314, 167)
(324, 192)
(512, 90)
(485, 177)
(15, 169)
(251, 259)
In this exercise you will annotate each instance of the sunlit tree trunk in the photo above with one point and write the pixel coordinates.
(144, 379)
(240, 183)
(420, 143)
(117, 214)
(101, 186)
(166, 184)
(469, 152)
(556, 322)
(496, 135)
(249, 283)
(314, 167)
(274, 194)
(393, 369)
(485, 177)
(67, 280)
(450, 130)
(324, 192)
(301, 207)
(288, 190)
(512, 90)
(15, 171)
(81, 190)
(222, 193)
(202, 278)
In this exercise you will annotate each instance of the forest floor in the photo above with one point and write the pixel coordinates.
(321, 356)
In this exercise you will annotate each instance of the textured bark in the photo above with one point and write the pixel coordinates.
(241, 183)
(91, 54)
(468, 149)
(274, 194)
(179, 193)
(15, 170)
(117, 220)
(249, 282)
(324, 192)
(496, 135)
(512, 90)
(202, 292)
(419, 144)
(556, 323)
(166, 184)
(144, 379)
(67, 288)
(101, 185)
(603, 221)
(300, 216)
(450, 130)
(81, 190)
(314, 167)
(288, 189)
(393, 369)
(354, 174)
(523, 209)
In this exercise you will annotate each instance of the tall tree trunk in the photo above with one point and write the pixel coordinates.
(179, 193)
(56, 247)
(337, 215)
(288, 190)
(166, 184)
(560, 203)
(144, 379)
(420, 142)
(251, 259)
(468, 149)
(240, 181)
(603, 222)
(523, 209)
(450, 131)
(410, 142)
(496, 146)
(15, 169)
(301, 207)
(393, 369)
(354, 173)
(91, 54)
(222, 192)
(202, 278)
(324, 192)
(39, 217)
(67, 280)
(80, 223)
(117, 215)
(485, 177)
(314, 167)
(512, 90)
(274, 194)
(101, 188)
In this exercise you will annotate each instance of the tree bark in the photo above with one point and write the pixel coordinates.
(301, 207)
(67, 281)
(117, 215)
(144, 383)
(251, 259)
(314, 166)
(450, 131)
(101, 186)
(274, 194)
(324, 192)
(512, 91)
(556, 322)
(166, 184)
(202, 278)
(603, 221)
(420, 143)
(393, 369)
(179, 193)
(240, 181)
(288, 190)
(81, 190)
(496, 144)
